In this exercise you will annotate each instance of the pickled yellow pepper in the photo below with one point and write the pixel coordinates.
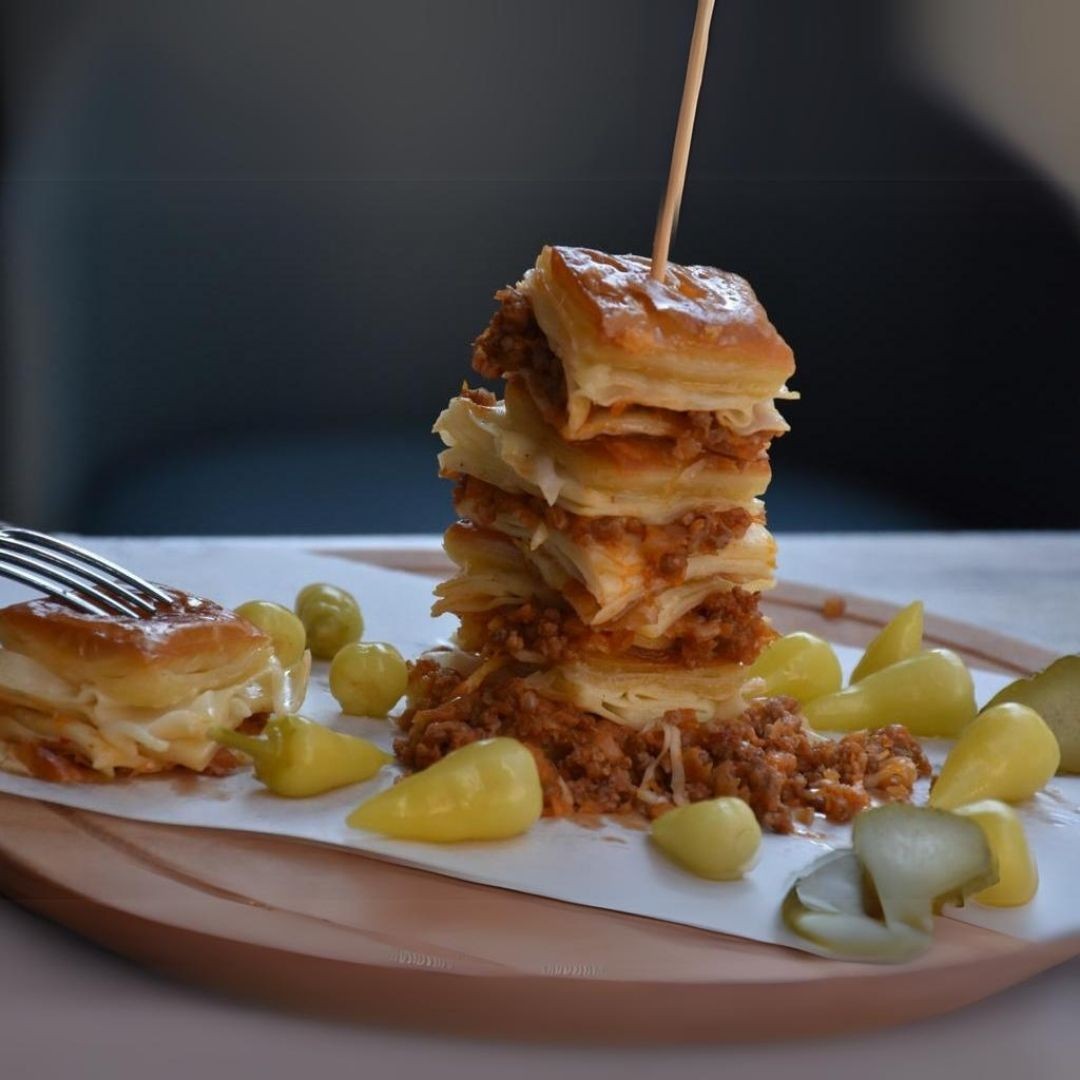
(715, 839)
(899, 640)
(1018, 876)
(297, 757)
(798, 665)
(488, 790)
(1007, 752)
(931, 693)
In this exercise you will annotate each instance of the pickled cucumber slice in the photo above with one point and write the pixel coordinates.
(829, 907)
(1054, 693)
(838, 885)
(920, 859)
(876, 901)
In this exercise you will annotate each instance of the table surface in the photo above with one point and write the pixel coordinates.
(68, 1008)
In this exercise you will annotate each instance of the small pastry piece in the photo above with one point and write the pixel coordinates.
(82, 696)
(605, 349)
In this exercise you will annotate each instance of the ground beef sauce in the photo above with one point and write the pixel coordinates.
(727, 626)
(589, 765)
(514, 345)
(665, 549)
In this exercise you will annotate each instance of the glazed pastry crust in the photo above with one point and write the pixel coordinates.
(153, 662)
(697, 341)
(614, 302)
(87, 697)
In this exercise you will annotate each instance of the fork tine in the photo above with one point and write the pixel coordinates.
(35, 581)
(89, 557)
(70, 584)
(83, 570)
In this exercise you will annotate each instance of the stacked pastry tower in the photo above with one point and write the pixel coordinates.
(612, 544)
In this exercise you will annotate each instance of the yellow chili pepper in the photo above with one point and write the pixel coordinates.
(899, 640)
(297, 757)
(716, 838)
(932, 694)
(1007, 752)
(1018, 877)
(798, 665)
(488, 790)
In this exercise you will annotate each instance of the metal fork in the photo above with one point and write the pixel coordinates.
(76, 576)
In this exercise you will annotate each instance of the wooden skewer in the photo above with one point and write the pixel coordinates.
(680, 153)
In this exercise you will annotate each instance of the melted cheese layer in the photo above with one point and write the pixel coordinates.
(36, 705)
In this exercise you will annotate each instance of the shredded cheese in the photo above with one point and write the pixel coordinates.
(678, 772)
(476, 679)
(644, 792)
(672, 749)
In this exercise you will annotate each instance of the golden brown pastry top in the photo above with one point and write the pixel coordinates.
(193, 626)
(693, 308)
(196, 645)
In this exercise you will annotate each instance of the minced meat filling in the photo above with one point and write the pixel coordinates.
(588, 765)
(725, 627)
(513, 344)
(665, 549)
(63, 762)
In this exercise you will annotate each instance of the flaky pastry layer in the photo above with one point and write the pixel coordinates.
(79, 723)
(602, 583)
(508, 444)
(697, 341)
(137, 695)
(153, 662)
(513, 346)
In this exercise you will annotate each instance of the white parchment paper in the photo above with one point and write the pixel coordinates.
(610, 867)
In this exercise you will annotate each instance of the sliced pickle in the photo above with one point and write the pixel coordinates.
(921, 859)
(829, 907)
(877, 901)
(1054, 693)
(901, 639)
(838, 885)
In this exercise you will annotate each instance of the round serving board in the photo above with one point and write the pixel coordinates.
(333, 932)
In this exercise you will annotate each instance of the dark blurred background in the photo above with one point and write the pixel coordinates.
(247, 242)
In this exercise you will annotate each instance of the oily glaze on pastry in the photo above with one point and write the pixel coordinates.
(82, 696)
(604, 349)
